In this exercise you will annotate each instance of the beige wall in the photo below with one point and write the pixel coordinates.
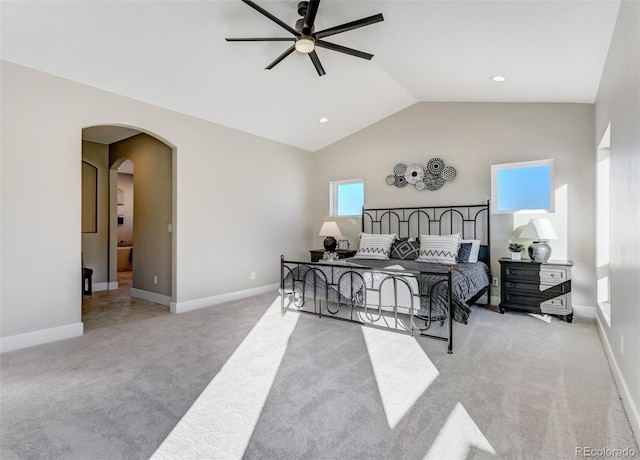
(94, 245)
(471, 137)
(152, 211)
(618, 103)
(239, 201)
(125, 231)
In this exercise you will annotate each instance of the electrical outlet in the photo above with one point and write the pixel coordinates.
(496, 282)
(621, 344)
(155, 279)
(253, 275)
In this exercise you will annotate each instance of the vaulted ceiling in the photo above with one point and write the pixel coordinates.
(173, 54)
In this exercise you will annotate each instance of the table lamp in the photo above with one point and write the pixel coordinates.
(330, 230)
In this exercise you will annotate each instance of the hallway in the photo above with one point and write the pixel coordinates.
(116, 307)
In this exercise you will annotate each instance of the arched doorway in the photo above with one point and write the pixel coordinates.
(149, 218)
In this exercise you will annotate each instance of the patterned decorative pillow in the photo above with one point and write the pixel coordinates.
(464, 252)
(405, 249)
(375, 246)
(475, 250)
(441, 249)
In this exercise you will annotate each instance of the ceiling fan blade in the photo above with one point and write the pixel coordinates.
(316, 63)
(260, 39)
(264, 12)
(343, 49)
(281, 57)
(349, 26)
(310, 17)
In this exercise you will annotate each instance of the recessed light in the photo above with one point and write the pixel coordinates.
(498, 78)
(324, 120)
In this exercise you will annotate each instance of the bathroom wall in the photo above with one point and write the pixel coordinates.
(125, 231)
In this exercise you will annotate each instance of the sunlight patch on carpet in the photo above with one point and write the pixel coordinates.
(402, 370)
(221, 421)
(457, 436)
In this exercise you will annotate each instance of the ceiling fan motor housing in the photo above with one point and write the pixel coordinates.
(302, 8)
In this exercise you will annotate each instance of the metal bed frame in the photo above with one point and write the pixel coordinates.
(472, 221)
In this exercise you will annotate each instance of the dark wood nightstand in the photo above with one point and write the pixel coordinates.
(536, 287)
(316, 254)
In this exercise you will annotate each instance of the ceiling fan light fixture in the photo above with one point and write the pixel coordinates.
(305, 44)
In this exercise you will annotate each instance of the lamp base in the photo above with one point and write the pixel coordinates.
(330, 244)
(539, 251)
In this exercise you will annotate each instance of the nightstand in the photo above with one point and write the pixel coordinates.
(316, 254)
(536, 287)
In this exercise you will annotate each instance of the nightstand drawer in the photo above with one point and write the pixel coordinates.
(552, 276)
(558, 306)
(521, 298)
(522, 272)
(521, 286)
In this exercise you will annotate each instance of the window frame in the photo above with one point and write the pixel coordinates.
(334, 196)
(495, 169)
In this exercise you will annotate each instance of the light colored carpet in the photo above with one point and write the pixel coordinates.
(515, 385)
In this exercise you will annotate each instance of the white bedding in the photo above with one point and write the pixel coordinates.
(380, 290)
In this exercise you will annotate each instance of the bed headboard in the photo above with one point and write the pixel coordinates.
(472, 221)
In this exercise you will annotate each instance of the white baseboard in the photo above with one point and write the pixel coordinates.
(633, 412)
(583, 311)
(112, 285)
(151, 296)
(189, 305)
(30, 339)
(495, 300)
(100, 286)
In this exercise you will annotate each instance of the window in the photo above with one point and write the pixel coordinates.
(603, 269)
(524, 186)
(347, 197)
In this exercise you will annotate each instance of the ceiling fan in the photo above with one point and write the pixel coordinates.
(305, 38)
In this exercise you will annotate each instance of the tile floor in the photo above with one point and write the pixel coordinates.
(110, 308)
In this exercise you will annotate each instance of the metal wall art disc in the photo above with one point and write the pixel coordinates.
(414, 173)
(420, 185)
(391, 180)
(399, 169)
(448, 173)
(435, 165)
(400, 181)
(433, 181)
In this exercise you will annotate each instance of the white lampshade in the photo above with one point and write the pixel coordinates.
(539, 229)
(329, 228)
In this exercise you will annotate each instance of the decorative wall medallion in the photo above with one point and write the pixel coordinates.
(400, 181)
(448, 173)
(435, 165)
(399, 169)
(414, 173)
(433, 181)
(432, 177)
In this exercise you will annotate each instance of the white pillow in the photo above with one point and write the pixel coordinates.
(475, 250)
(375, 246)
(441, 249)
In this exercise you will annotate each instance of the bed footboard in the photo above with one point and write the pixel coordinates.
(382, 298)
